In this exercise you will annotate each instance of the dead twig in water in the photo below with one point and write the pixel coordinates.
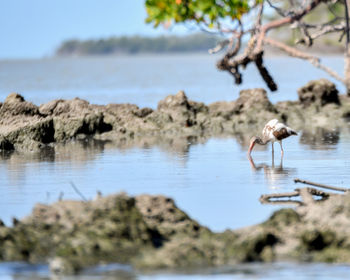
(306, 195)
(78, 192)
(297, 180)
(292, 202)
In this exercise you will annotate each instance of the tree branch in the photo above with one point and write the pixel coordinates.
(325, 30)
(264, 72)
(299, 54)
(284, 21)
(219, 46)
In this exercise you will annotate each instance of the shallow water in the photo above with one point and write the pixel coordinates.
(212, 180)
(278, 271)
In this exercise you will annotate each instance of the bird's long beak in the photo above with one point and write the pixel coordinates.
(251, 147)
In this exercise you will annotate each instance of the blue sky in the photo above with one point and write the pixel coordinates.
(35, 28)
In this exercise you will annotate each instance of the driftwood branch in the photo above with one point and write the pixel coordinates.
(297, 180)
(78, 192)
(306, 194)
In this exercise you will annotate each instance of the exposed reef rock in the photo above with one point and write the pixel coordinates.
(25, 126)
(150, 232)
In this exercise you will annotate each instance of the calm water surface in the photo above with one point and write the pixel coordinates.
(213, 181)
(144, 80)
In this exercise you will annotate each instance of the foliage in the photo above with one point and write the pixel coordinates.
(209, 12)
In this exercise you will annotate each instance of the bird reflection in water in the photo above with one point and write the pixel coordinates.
(274, 174)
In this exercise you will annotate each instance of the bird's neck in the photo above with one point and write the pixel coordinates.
(262, 141)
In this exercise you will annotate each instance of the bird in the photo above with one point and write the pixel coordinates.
(274, 131)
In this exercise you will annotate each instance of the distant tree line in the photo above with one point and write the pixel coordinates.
(138, 44)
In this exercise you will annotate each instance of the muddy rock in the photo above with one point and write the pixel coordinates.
(319, 92)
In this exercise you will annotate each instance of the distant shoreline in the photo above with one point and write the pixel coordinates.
(268, 55)
(137, 44)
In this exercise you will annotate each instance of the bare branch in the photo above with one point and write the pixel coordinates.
(297, 53)
(289, 50)
(278, 10)
(284, 21)
(219, 46)
(260, 12)
(325, 30)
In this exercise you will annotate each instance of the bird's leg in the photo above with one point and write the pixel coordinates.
(282, 152)
(281, 163)
(273, 152)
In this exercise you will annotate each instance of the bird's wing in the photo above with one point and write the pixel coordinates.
(269, 129)
(282, 131)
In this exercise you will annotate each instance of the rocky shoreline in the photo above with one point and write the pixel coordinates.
(27, 127)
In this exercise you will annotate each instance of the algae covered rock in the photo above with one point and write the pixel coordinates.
(152, 232)
(116, 228)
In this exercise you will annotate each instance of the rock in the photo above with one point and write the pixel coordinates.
(62, 266)
(15, 104)
(252, 109)
(75, 234)
(178, 108)
(320, 92)
(161, 214)
(253, 99)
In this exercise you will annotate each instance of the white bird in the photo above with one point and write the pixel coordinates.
(273, 131)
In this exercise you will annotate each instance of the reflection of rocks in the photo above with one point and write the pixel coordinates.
(151, 232)
(24, 126)
(320, 138)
